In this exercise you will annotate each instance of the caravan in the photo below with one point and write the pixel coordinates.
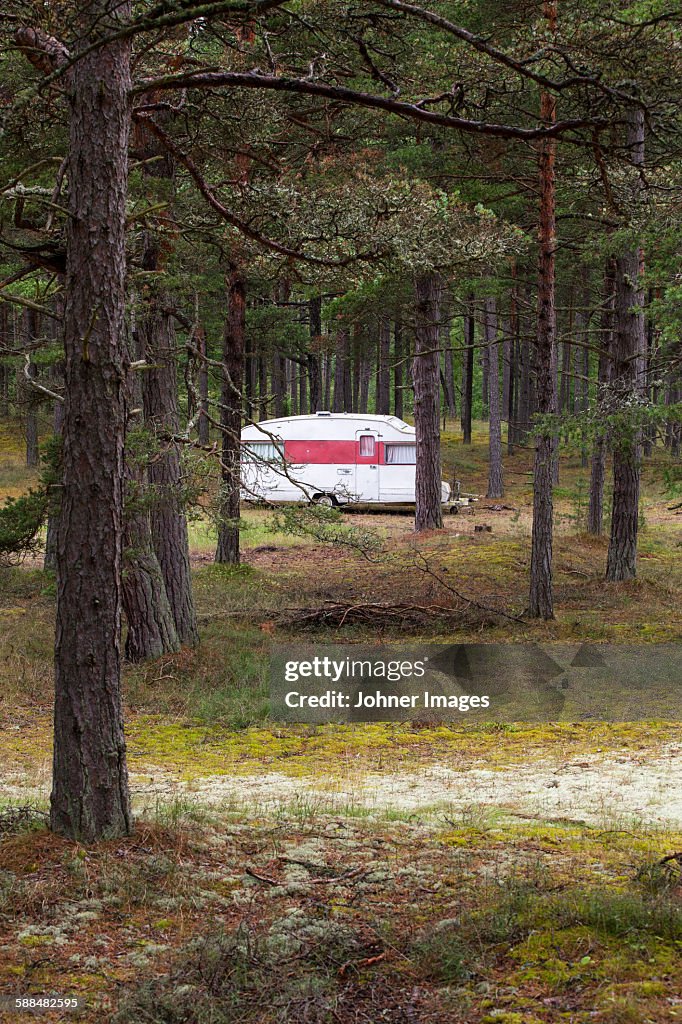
(331, 459)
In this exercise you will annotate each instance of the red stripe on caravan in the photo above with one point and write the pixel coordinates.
(320, 453)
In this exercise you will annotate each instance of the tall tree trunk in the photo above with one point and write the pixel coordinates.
(649, 389)
(292, 386)
(52, 533)
(313, 359)
(672, 395)
(341, 372)
(448, 368)
(676, 433)
(32, 405)
(383, 391)
(168, 520)
(398, 370)
(541, 603)
(327, 401)
(525, 389)
(485, 383)
(156, 339)
(565, 404)
(357, 367)
(250, 379)
(512, 396)
(29, 396)
(278, 383)
(204, 426)
(628, 381)
(495, 483)
(263, 388)
(90, 797)
(595, 509)
(303, 387)
(151, 626)
(426, 376)
(231, 418)
(365, 374)
(4, 370)
(582, 368)
(468, 370)
(507, 382)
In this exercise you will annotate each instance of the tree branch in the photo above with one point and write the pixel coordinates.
(256, 80)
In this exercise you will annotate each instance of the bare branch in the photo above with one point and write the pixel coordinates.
(256, 80)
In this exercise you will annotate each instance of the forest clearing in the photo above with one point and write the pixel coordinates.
(521, 863)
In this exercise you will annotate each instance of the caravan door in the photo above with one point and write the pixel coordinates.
(367, 465)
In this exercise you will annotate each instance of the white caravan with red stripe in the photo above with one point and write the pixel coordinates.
(331, 459)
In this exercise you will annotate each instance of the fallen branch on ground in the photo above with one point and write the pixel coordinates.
(340, 614)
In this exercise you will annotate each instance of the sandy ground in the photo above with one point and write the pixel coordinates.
(611, 792)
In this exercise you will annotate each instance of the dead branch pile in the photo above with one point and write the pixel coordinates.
(380, 614)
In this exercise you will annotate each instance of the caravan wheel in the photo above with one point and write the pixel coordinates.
(328, 500)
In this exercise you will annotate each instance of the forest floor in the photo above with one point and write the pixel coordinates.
(412, 873)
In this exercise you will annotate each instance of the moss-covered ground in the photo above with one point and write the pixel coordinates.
(221, 919)
(212, 913)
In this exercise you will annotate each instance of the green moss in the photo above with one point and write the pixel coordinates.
(36, 940)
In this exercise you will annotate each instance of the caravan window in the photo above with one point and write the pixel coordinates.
(259, 451)
(367, 446)
(400, 454)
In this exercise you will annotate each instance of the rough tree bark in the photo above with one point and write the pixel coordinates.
(204, 426)
(507, 359)
(365, 374)
(303, 387)
(262, 388)
(468, 370)
(581, 392)
(30, 398)
(151, 626)
(598, 463)
(251, 379)
(383, 391)
(426, 377)
(356, 361)
(227, 550)
(292, 389)
(4, 370)
(168, 520)
(485, 383)
(540, 603)
(398, 370)
(278, 383)
(327, 378)
(627, 382)
(495, 483)
(52, 532)
(156, 336)
(448, 367)
(313, 359)
(90, 780)
(514, 365)
(342, 396)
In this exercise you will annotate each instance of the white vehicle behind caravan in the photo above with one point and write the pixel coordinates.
(331, 459)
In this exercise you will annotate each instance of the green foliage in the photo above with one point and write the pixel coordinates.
(326, 526)
(21, 520)
(672, 477)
